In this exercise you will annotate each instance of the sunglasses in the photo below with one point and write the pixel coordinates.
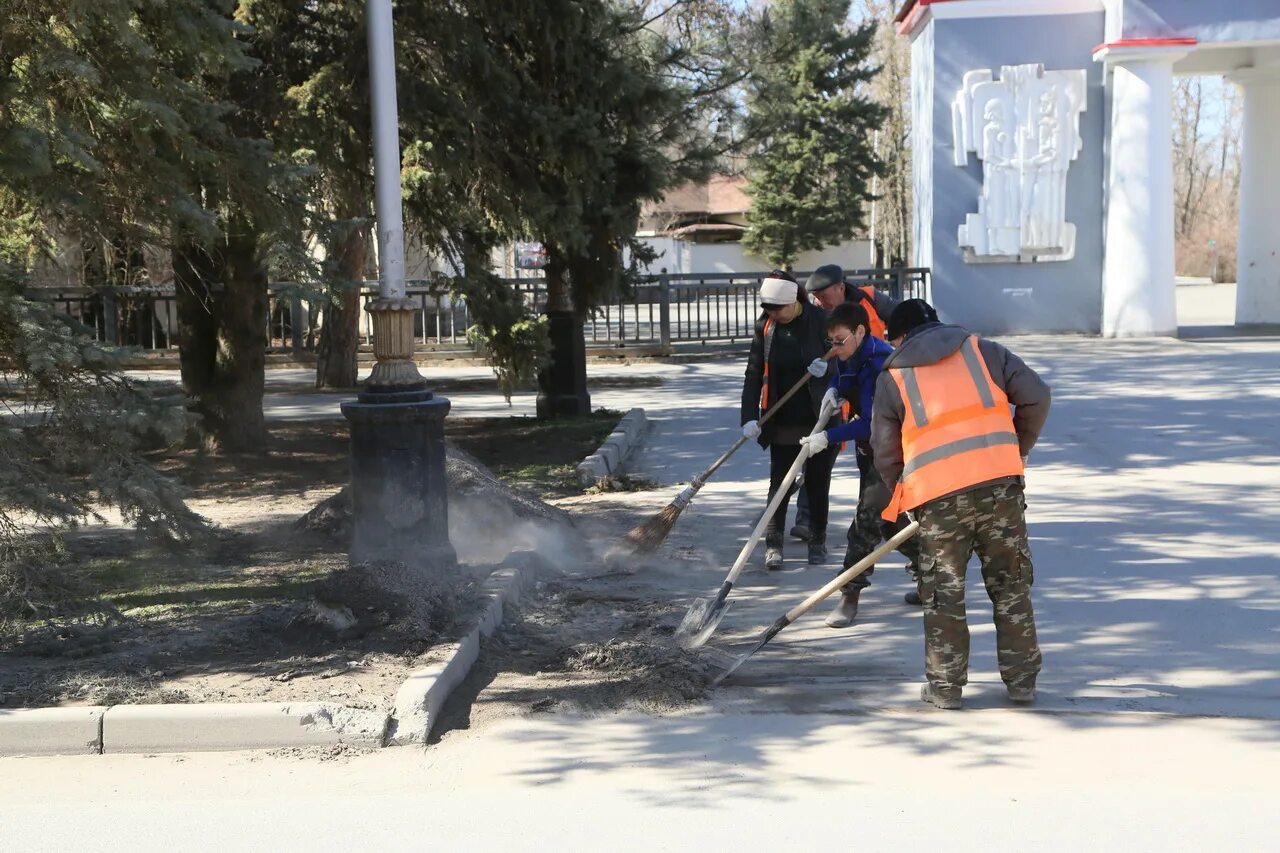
(838, 342)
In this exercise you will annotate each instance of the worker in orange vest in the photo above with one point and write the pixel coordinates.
(947, 443)
(789, 342)
(827, 288)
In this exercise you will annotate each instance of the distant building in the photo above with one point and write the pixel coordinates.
(698, 228)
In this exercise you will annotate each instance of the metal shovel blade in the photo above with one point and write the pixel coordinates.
(701, 621)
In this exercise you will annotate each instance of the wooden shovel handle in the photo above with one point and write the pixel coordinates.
(852, 572)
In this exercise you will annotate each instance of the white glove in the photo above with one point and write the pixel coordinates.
(751, 429)
(830, 400)
(818, 368)
(815, 444)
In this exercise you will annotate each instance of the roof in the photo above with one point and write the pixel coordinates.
(721, 195)
(707, 228)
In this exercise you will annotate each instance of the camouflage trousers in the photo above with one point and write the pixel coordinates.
(991, 522)
(868, 530)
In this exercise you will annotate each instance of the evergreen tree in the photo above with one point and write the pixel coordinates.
(318, 59)
(812, 121)
(72, 444)
(122, 125)
(555, 120)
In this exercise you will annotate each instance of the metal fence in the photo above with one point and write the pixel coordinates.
(661, 311)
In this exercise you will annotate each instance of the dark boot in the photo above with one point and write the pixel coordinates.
(773, 551)
(914, 597)
(817, 547)
(800, 531)
(846, 609)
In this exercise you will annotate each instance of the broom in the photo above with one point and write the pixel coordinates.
(646, 537)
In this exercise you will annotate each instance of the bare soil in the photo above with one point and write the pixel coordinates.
(598, 638)
(213, 623)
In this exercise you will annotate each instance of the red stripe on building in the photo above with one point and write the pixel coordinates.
(1167, 42)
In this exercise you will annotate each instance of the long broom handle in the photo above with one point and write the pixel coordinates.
(783, 488)
(701, 480)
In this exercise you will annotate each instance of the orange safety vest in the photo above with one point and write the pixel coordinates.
(768, 343)
(876, 325)
(957, 432)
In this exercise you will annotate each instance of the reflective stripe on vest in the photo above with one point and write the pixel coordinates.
(768, 344)
(876, 325)
(957, 430)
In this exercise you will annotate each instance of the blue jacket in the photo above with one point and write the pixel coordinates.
(855, 381)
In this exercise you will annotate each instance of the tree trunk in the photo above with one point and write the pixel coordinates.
(222, 318)
(336, 355)
(562, 385)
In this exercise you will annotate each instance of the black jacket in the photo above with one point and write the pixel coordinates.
(813, 335)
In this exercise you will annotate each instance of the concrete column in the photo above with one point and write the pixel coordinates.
(1258, 249)
(1138, 296)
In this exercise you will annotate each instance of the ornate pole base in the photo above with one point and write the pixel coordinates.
(395, 369)
(399, 489)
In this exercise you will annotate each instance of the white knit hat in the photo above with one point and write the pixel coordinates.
(778, 291)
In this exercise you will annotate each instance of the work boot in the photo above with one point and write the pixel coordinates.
(946, 698)
(800, 531)
(817, 547)
(1022, 695)
(914, 597)
(773, 551)
(846, 609)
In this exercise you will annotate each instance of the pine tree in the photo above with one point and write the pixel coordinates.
(72, 443)
(555, 120)
(812, 121)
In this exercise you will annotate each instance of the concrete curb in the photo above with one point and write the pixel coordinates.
(210, 727)
(422, 696)
(610, 456)
(51, 731)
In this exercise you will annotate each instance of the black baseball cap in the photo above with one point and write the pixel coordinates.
(907, 316)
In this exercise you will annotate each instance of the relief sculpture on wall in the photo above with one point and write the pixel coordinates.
(1025, 128)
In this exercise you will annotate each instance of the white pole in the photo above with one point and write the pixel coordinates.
(386, 149)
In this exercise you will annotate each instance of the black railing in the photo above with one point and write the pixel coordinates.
(661, 311)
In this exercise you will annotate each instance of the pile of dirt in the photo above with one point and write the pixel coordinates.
(583, 645)
(649, 668)
(468, 482)
(488, 519)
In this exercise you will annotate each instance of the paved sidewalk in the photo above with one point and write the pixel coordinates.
(1156, 532)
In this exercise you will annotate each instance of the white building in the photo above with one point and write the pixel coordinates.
(698, 228)
(1043, 169)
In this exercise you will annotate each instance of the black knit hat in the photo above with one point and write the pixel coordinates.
(907, 316)
(823, 277)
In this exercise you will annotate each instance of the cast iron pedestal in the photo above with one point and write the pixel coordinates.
(400, 502)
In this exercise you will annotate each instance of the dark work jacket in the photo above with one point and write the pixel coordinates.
(813, 335)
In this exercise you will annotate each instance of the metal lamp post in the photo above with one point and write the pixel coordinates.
(400, 501)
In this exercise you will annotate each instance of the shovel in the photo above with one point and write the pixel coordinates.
(808, 604)
(703, 616)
